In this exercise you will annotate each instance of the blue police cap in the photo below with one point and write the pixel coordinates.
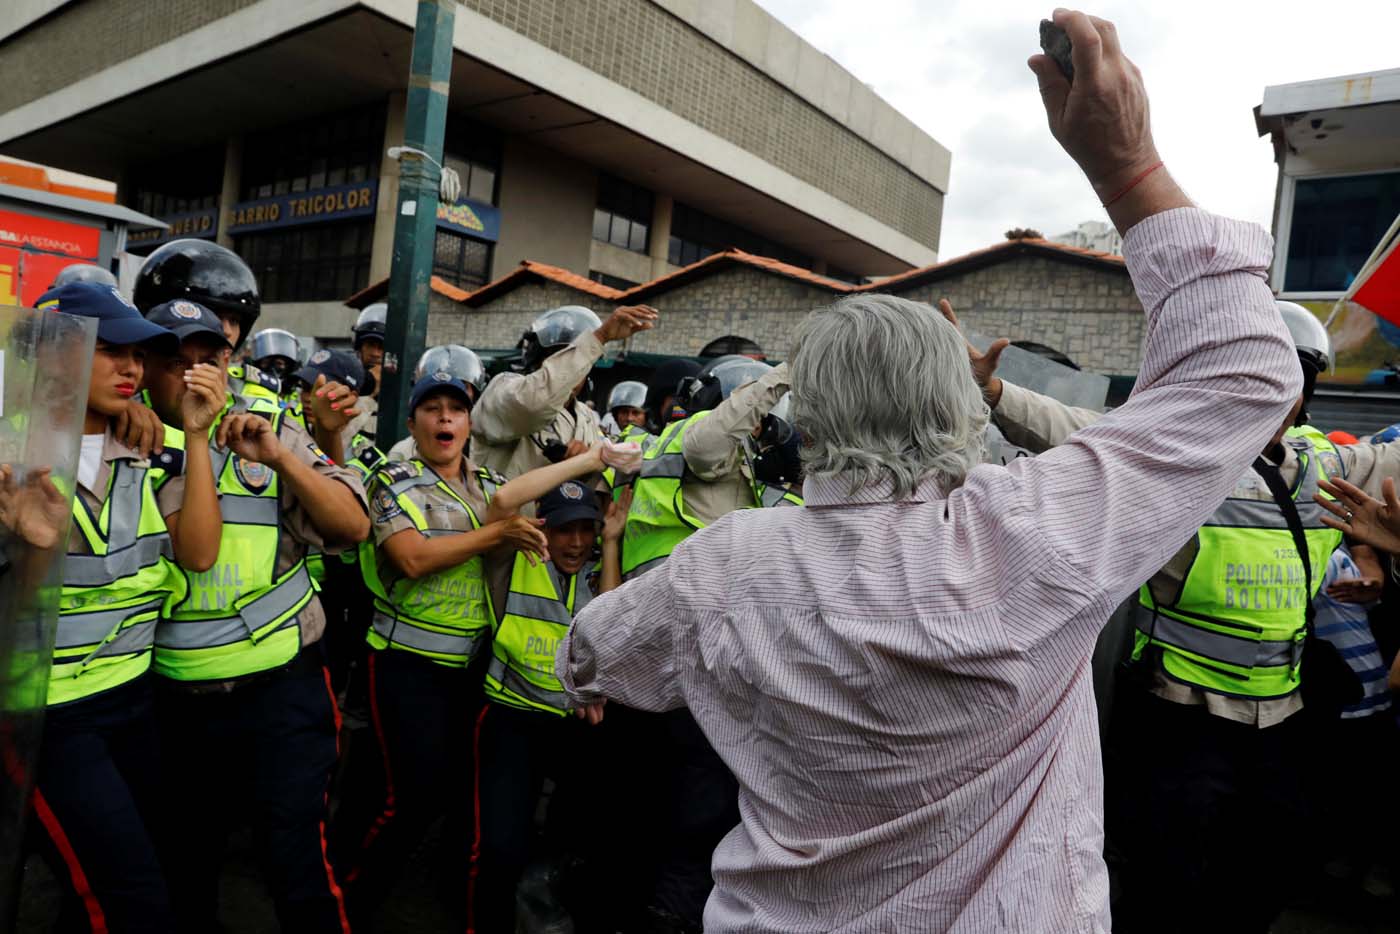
(184, 318)
(439, 382)
(337, 366)
(568, 502)
(118, 321)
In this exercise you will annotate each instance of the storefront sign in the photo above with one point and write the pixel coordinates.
(198, 224)
(50, 236)
(305, 207)
(472, 218)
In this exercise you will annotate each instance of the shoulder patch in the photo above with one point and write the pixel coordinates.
(396, 472)
(170, 462)
(269, 382)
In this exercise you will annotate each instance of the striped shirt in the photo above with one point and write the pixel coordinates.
(903, 688)
(1348, 627)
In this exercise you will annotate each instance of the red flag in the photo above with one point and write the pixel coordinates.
(1377, 289)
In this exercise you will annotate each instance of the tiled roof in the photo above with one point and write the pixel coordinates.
(379, 292)
(717, 261)
(529, 269)
(995, 253)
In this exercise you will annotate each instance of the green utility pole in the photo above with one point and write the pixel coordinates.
(415, 223)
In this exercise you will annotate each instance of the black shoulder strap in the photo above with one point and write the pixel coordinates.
(1284, 499)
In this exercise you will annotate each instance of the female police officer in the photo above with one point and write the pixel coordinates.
(96, 780)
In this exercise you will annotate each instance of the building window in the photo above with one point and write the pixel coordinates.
(1336, 224)
(695, 235)
(321, 262)
(338, 149)
(460, 260)
(623, 214)
(613, 282)
(474, 151)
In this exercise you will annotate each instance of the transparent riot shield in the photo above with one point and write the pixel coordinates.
(45, 362)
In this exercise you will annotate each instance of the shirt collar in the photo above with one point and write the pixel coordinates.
(113, 449)
(835, 490)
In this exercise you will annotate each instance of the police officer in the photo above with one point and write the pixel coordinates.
(368, 333)
(247, 719)
(627, 406)
(435, 518)
(530, 419)
(1203, 752)
(455, 360)
(96, 791)
(661, 391)
(215, 277)
(329, 402)
(691, 475)
(524, 733)
(331, 397)
(276, 352)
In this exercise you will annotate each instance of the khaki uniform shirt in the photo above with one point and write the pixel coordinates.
(405, 449)
(300, 533)
(518, 415)
(1037, 422)
(112, 450)
(387, 520)
(714, 448)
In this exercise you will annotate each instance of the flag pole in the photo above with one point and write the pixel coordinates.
(1376, 255)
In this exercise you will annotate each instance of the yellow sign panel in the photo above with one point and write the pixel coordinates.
(1365, 346)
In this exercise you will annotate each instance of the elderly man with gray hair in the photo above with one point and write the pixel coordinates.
(905, 697)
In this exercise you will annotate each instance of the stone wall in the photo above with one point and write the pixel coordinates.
(1088, 313)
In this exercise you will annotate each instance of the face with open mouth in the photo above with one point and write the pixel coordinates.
(441, 426)
(571, 544)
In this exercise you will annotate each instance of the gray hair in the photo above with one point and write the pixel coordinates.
(882, 389)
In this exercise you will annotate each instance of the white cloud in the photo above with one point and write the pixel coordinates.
(957, 69)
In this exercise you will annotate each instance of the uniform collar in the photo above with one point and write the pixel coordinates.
(114, 450)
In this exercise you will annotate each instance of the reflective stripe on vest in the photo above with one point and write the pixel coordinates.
(416, 635)
(112, 597)
(536, 619)
(444, 616)
(1238, 622)
(267, 612)
(241, 616)
(658, 520)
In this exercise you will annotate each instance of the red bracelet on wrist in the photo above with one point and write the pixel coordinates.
(1134, 183)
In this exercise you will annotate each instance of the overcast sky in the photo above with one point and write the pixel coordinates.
(957, 69)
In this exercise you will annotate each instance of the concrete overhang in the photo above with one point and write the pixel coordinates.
(1344, 124)
(275, 62)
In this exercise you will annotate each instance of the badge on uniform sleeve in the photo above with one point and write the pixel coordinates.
(385, 507)
(321, 456)
(252, 474)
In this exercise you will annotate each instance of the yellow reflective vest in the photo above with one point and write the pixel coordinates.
(536, 617)
(112, 598)
(1237, 625)
(446, 616)
(240, 617)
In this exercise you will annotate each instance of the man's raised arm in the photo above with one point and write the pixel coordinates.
(1219, 373)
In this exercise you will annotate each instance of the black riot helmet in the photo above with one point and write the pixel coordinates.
(717, 380)
(552, 331)
(371, 324)
(455, 360)
(778, 448)
(203, 272)
(84, 272)
(662, 389)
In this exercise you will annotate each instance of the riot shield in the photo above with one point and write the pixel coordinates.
(45, 362)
